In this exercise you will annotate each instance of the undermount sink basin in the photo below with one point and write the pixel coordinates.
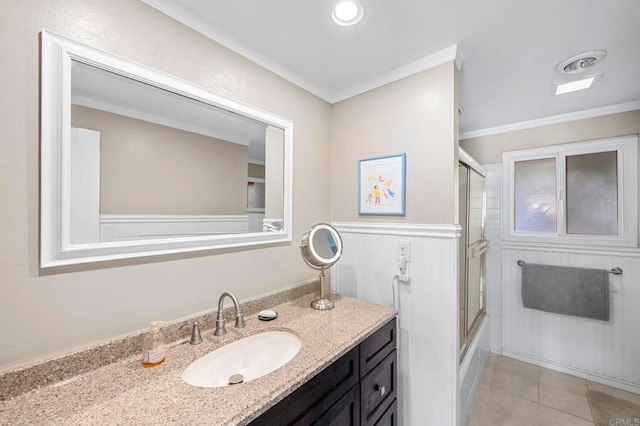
(252, 357)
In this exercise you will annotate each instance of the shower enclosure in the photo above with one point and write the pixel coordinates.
(472, 205)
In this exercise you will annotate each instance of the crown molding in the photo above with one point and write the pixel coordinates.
(449, 54)
(554, 119)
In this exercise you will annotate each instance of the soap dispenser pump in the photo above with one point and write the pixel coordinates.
(154, 346)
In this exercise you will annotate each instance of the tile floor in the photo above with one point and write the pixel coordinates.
(512, 392)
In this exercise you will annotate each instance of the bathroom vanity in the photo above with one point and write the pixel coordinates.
(359, 388)
(345, 370)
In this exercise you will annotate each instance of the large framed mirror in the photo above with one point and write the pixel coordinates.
(135, 162)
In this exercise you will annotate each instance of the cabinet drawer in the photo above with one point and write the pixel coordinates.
(378, 389)
(317, 395)
(345, 412)
(377, 347)
(390, 417)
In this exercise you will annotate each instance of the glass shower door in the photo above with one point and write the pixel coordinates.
(471, 256)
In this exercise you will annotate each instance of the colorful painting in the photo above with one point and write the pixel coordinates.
(381, 187)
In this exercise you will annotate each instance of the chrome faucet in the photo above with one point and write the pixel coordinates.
(220, 330)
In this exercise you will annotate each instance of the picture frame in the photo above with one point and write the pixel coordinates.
(381, 185)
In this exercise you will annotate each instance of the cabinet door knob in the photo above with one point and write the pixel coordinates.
(380, 389)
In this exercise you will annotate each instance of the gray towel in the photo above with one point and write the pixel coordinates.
(580, 292)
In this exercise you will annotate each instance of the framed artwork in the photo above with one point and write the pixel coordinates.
(381, 185)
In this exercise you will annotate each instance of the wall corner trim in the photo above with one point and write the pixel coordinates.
(405, 229)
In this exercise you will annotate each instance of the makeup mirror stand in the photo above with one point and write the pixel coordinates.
(321, 247)
(322, 304)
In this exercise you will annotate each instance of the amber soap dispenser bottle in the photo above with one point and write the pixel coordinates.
(154, 346)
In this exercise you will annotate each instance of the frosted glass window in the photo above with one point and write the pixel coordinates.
(592, 193)
(535, 195)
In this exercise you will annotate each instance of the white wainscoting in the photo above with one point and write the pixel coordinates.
(428, 306)
(603, 351)
(141, 227)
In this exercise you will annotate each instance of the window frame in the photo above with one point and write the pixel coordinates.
(627, 155)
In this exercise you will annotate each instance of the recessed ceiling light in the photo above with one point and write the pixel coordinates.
(573, 86)
(347, 13)
(581, 62)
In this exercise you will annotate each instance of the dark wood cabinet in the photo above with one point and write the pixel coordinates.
(378, 390)
(358, 389)
(345, 412)
(389, 417)
(377, 346)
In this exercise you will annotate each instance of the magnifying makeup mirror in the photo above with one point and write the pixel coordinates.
(321, 247)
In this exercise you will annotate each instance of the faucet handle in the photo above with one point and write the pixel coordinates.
(239, 321)
(196, 338)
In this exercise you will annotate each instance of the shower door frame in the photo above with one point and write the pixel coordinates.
(469, 332)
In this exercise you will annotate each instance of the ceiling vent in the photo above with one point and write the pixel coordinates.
(581, 62)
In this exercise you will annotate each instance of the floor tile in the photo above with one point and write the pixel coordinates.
(475, 413)
(489, 368)
(551, 417)
(618, 393)
(563, 381)
(475, 418)
(566, 401)
(503, 409)
(515, 385)
(477, 407)
(518, 368)
(512, 392)
(482, 393)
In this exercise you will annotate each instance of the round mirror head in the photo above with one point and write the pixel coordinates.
(321, 246)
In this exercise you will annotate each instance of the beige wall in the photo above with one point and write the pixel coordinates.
(49, 313)
(415, 115)
(256, 170)
(146, 168)
(489, 149)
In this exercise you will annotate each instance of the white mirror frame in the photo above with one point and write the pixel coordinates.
(56, 249)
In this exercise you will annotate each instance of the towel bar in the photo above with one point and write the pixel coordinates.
(615, 270)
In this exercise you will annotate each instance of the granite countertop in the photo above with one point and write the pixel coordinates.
(126, 393)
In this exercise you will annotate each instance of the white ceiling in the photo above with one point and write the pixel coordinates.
(509, 48)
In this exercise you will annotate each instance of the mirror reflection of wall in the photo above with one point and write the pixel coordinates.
(168, 166)
(324, 244)
(150, 169)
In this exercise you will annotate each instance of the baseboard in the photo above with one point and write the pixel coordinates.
(615, 383)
